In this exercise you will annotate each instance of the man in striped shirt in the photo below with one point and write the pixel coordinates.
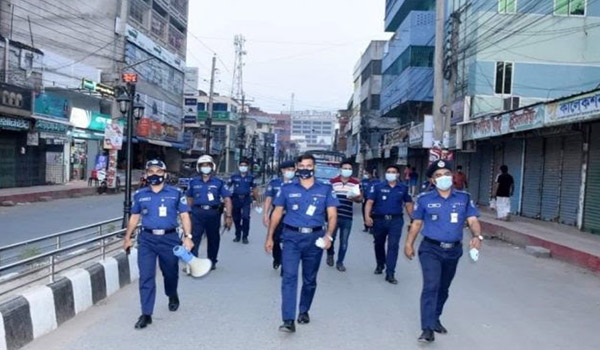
(347, 190)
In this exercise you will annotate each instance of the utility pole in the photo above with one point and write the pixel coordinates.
(451, 69)
(438, 72)
(208, 124)
(242, 131)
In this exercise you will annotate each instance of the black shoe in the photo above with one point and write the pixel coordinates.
(236, 239)
(303, 318)
(391, 279)
(378, 270)
(366, 229)
(276, 265)
(330, 260)
(245, 240)
(173, 303)
(439, 328)
(427, 336)
(213, 267)
(340, 267)
(288, 327)
(143, 321)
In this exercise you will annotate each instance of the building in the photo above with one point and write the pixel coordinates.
(313, 130)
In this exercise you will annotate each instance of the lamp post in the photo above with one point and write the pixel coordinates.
(131, 108)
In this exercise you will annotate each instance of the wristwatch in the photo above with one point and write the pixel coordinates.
(480, 237)
(329, 237)
(188, 235)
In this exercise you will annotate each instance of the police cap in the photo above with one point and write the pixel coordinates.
(287, 164)
(437, 165)
(156, 163)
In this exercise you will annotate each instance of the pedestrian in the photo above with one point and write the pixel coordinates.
(441, 214)
(414, 181)
(406, 174)
(288, 173)
(504, 186)
(244, 192)
(347, 190)
(385, 213)
(459, 179)
(204, 195)
(309, 206)
(157, 206)
(369, 179)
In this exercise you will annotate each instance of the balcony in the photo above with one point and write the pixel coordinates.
(413, 84)
(177, 40)
(397, 11)
(180, 9)
(159, 26)
(138, 11)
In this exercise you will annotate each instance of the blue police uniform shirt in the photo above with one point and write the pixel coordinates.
(305, 207)
(274, 186)
(367, 183)
(241, 185)
(444, 218)
(148, 204)
(207, 193)
(389, 200)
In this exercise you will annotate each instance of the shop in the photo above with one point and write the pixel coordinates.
(87, 139)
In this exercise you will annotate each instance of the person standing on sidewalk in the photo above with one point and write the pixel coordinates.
(406, 174)
(441, 214)
(347, 190)
(414, 181)
(204, 195)
(309, 206)
(158, 207)
(369, 179)
(459, 179)
(385, 213)
(504, 186)
(244, 191)
(288, 173)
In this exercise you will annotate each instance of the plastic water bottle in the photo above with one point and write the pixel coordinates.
(474, 253)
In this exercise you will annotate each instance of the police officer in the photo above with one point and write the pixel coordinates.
(158, 206)
(384, 212)
(288, 173)
(441, 214)
(307, 204)
(369, 179)
(204, 195)
(243, 190)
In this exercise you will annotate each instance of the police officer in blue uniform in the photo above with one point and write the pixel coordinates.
(158, 206)
(307, 204)
(441, 214)
(288, 173)
(385, 213)
(204, 195)
(369, 179)
(243, 191)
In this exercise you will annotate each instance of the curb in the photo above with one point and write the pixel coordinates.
(48, 195)
(558, 251)
(42, 309)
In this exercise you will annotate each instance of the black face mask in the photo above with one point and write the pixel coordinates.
(305, 173)
(155, 180)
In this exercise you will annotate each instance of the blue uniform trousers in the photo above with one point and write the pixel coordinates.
(299, 247)
(241, 215)
(151, 247)
(208, 221)
(390, 230)
(277, 244)
(438, 266)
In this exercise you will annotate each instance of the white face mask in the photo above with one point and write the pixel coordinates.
(346, 172)
(205, 170)
(289, 174)
(443, 183)
(243, 169)
(391, 177)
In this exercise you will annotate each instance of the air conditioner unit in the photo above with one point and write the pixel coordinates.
(511, 103)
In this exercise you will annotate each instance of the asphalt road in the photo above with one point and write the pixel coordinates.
(507, 300)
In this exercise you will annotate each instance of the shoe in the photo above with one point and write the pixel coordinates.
(391, 279)
(173, 303)
(303, 318)
(213, 267)
(330, 260)
(288, 327)
(143, 321)
(276, 265)
(187, 270)
(340, 267)
(236, 239)
(245, 241)
(439, 328)
(427, 336)
(378, 270)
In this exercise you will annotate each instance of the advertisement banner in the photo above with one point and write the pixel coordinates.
(526, 119)
(14, 123)
(51, 106)
(415, 135)
(436, 154)
(15, 100)
(99, 121)
(113, 137)
(585, 107)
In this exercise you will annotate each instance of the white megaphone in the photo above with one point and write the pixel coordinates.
(198, 267)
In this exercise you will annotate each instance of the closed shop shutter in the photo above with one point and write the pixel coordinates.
(571, 179)
(513, 158)
(485, 177)
(591, 215)
(473, 176)
(551, 178)
(532, 180)
(8, 160)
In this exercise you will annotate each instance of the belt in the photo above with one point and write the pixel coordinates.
(444, 245)
(241, 195)
(388, 217)
(207, 207)
(160, 232)
(304, 229)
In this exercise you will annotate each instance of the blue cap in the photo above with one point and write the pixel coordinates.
(157, 163)
(437, 165)
(287, 164)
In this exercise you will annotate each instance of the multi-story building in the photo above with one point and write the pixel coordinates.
(312, 130)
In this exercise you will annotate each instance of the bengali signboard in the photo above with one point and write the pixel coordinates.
(395, 137)
(585, 107)
(113, 136)
(526, 119)
(519, 120)
(51, 106)
(415, 135)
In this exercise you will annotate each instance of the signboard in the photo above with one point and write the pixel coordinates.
(190, 108)
(51, 106)
(428, 131)
(148, 45)
(436, 154)
(129, 78)
(191, 80)
(14, 123)
(585, 107)
(99, 121)
(526, 119)
(395, 137)
(457, 112)
(113, 136)
(33, 138)
(519, 120)
(15, 100)
(415, 135)
(97, 87)
(91, 120)
(45, 126)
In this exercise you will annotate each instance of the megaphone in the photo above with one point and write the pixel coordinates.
(198, 267)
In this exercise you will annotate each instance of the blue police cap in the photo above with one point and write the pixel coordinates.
(156, 163)
(287, 164)
(437, 165)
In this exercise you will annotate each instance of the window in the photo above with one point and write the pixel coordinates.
(507, 6)
(201, 106)
(138, 10)
(504, 77)
(569, 7)
(375, 102)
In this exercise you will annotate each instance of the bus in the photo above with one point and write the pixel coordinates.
(328, 164)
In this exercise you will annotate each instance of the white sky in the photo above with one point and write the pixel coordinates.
(308, 47)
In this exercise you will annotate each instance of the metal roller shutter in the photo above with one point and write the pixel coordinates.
(591, 217)
(532, 179)
(473, 176)
(551, 178)
(513, 158)
(485, 177)
(571, 179)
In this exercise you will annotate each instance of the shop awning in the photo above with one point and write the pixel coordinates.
(163, 143)
(51, 120)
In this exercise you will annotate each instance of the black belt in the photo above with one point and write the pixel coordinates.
(388, 217)
(304, 229)
(159, 232)
(206, 207)
(241, 195)
(445, 245)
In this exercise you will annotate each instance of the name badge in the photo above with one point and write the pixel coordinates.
(162, 211)
(454, 218)
(295, 207)
(384, 198)
(434, 217)
(311, 210)
(211, 197)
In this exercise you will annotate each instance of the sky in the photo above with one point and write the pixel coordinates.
(305, 47)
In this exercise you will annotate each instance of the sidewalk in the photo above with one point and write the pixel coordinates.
(12, 196)
(565, 243)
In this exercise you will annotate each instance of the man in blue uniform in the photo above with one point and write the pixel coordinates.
(441, 214)
(288, 173)
(307, 203)
(369, 179)
(243, 191)
(158, 206)
(385, 213)
(204, 195)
